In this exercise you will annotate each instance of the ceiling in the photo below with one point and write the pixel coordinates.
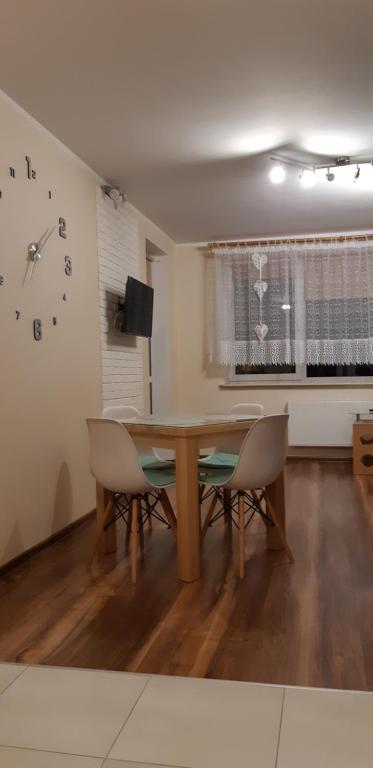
(182, 101)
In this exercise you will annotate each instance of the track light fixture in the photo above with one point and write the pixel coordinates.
(308, 174)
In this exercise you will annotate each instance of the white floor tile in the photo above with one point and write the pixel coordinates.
(199, 723)
(11, 757)
(75, 711)
(327, 729)
(126, 764)
(8, 673)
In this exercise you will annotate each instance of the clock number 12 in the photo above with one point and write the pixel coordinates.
(31, 174)
(62, 228)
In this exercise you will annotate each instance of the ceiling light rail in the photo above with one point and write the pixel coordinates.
(308, 172)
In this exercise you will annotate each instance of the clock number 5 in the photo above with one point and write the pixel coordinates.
(62, 228)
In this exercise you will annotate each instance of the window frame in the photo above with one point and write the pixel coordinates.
(299, 377)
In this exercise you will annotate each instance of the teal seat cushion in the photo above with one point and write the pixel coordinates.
(214, 475)
(149, 461)
(159, 477)
(219, 460)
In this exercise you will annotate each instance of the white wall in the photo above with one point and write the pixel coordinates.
(47, 388)
(197, 386)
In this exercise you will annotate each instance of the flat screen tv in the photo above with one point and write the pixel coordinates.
(138, 309)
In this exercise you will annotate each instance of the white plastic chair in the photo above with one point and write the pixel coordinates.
(228, 448)
(149, 456)
(251, 409)
(120, 412)
(243, 409)
(261, 460)
(115, 464)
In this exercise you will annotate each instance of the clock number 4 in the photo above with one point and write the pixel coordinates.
(62, 228)
(68, 266)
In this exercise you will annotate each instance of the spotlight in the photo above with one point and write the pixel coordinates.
(357, 174)
(285, 306)
(277, 174)
(330, 176)
(308, 179)
(115, 194)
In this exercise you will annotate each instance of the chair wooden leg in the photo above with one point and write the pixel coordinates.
(241, 534)
(99, 530)
(148, 509)
(227, 505)
(273, 516)
(167, 508)
(209, 515)
(128, 529)
(134, 538)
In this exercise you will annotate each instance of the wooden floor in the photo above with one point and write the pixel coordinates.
(304, 624)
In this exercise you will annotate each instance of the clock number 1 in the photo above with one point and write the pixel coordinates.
(62, 228)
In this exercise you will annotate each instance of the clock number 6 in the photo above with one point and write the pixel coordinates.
(62, 228)
(37, 330)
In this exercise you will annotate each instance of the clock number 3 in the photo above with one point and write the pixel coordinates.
(62, 228)
(68, 266)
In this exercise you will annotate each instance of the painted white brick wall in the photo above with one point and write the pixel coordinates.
(118, 257)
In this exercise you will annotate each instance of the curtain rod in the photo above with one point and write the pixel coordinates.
(283, 241)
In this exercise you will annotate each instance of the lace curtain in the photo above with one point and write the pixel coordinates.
(291, 303)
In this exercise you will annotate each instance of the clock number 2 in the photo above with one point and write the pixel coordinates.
(62, 228)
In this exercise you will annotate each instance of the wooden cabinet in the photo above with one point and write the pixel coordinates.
(363, 448)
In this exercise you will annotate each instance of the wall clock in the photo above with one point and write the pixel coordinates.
(41, 252)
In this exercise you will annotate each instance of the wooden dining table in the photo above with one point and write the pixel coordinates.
(186, 437)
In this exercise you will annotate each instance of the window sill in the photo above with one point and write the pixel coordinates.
(296, 385)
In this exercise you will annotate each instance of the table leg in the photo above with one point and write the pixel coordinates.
(188, 510)
(276, 493)
(108, 540)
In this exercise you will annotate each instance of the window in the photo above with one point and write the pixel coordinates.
(287, 311)
(320, 305)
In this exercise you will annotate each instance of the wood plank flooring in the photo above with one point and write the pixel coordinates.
(304, 624)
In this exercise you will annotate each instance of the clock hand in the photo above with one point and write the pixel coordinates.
(34, 251)
(40, 240)
(29, 270)
(35, 248)
(44, 239)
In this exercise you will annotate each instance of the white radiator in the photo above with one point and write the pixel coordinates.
(323, 423)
